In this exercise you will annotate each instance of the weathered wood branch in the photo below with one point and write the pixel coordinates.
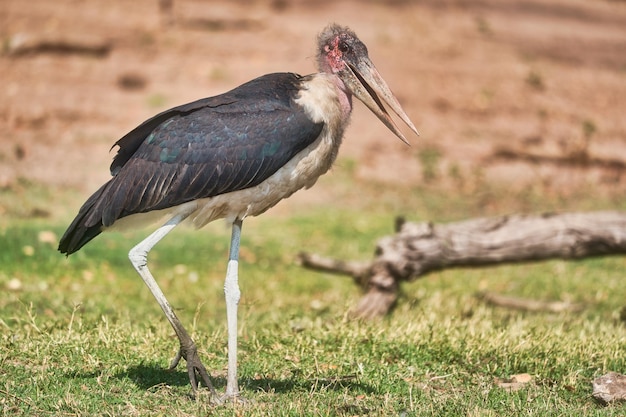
(419, 248)
(359, 271)
(526, 304)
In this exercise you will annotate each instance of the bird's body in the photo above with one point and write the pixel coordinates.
(222, 168)
(232, 156)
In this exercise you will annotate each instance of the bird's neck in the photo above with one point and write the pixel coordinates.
(344, 95)
(327, 100)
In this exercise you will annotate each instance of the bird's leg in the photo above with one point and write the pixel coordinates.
(139, 258)
(232, 293)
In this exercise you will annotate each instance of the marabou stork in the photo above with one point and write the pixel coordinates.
(232, 156)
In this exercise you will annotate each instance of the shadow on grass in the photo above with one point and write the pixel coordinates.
(147, 376)
(308, 385)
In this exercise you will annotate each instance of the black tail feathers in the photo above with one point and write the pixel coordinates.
(86, 226)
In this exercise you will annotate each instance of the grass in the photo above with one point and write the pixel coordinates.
(83, 336)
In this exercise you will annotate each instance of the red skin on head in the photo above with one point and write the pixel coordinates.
(334, 56)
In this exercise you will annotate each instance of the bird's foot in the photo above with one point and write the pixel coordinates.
(235, 399)
(195, 369)
(233, 395)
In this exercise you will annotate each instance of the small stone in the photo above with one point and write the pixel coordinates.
(609, 388)
(14, 284)
(47, 236)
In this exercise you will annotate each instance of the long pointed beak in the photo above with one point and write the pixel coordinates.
(363, 79)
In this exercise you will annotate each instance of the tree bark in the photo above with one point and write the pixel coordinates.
(419, 248)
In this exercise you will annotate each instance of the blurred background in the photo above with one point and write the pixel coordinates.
(520, 104)
(521, 109)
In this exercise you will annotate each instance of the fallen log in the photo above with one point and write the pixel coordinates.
(419, 248)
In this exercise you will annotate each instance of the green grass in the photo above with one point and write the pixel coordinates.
(83, 336)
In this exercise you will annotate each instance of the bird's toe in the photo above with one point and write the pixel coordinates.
(176, 359)
(234, 399)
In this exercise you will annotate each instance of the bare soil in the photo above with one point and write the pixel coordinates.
(545, 78)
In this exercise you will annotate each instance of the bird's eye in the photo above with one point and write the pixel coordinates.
(344, 47)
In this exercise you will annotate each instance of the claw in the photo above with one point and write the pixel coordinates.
(195, 369)
(176, 359)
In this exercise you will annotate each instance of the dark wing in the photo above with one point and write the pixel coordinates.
(273, 90)
(209, 147)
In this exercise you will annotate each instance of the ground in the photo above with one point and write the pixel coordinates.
(526, 95)
(518, 92)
